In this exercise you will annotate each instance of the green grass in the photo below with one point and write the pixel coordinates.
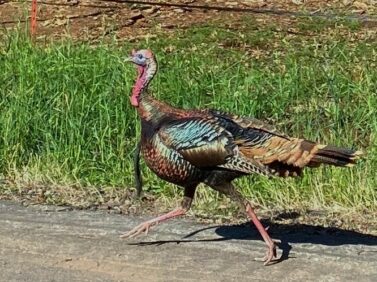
(66, 120)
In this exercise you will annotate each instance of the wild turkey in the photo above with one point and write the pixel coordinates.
(188, 147)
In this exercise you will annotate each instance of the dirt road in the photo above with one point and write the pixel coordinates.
(44, 243)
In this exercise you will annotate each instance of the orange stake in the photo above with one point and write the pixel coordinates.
(33, 26)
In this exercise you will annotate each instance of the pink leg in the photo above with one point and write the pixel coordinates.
(271, 252)
(146, 225)
(185, 206)
(228, 189)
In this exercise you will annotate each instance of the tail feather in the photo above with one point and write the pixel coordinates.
(335, 156)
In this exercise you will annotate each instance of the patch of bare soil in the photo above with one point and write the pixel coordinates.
(129, 20)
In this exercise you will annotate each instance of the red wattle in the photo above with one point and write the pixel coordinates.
(137, 89)
(134, 100)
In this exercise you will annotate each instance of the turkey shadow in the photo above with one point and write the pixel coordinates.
(285, 233)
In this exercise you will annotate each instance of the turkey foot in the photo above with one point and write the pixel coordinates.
(138, 229)
(145, 226)
(271, 245)
(270, 254)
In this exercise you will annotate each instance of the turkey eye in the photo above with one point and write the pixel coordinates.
(140, 56)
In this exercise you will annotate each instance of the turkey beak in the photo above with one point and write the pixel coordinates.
(128, 59)
(131, 57)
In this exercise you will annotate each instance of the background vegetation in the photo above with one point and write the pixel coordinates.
(66, 124)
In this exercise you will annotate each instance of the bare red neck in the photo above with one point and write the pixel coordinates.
(148, 108)
(144, 76)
